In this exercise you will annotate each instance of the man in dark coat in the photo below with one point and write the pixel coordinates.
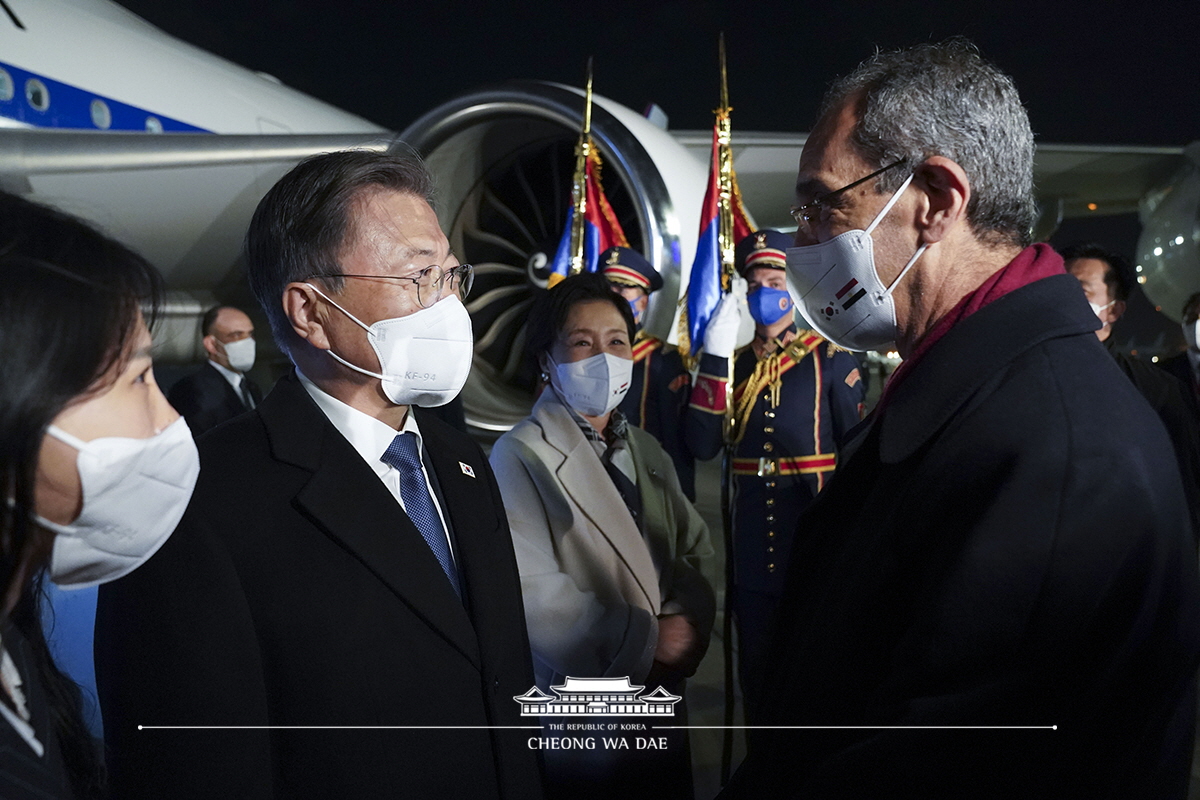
(1186, 365)
(1107, 282)
(221, 389)
(997, 593)
(341, 599)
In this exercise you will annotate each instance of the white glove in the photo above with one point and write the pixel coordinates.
(720, 337)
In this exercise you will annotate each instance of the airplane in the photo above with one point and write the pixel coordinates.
(169, 148)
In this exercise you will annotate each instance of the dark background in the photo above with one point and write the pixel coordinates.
(1089, 73)
(1119, 73)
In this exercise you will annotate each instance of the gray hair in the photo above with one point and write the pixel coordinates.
(302, 224)
(945, 100)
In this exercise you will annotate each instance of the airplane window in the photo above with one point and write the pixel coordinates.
(101, 116)
(37, 94)
(6, 86)
(154, 125)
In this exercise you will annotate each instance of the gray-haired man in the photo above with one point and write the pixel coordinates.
(1005, 547)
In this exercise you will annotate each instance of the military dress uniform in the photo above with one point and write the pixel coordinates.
(657, 400)
(793, 401)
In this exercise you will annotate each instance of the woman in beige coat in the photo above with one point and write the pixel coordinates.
(608, 546)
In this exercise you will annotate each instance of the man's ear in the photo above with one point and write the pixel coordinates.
(210, 346)
(947, 192)
(306, 312)
(1116, 310)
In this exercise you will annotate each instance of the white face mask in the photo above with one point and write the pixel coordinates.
(593, 386)
(240, 354)
(134, 494)
(1191, 334)
(425, 356)
(838, 287)
(1097, 308)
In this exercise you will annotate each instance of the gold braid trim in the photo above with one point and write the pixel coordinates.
(768, 373)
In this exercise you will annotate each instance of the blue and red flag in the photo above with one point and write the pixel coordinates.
(704, 285)
(602, 230)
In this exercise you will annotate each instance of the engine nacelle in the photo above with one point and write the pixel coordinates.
(504, 159)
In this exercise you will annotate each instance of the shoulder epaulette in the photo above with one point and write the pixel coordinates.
(644, 345)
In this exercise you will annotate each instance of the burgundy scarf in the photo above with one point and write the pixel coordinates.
(1031, 264)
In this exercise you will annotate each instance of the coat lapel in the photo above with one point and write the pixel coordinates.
(482, 543)
(975, 351)
(587, 484)
(347, 501)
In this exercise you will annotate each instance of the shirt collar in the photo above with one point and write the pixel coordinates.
(234, 378)
(367, 435)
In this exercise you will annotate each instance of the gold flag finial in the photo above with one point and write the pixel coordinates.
(725, 178)
(579, 186)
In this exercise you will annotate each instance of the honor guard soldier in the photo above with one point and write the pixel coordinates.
(795, 396)
(658, 397)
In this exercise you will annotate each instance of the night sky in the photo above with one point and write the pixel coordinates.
(1112, 73)
(1089, 73)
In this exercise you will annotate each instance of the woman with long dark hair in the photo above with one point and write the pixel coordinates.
(96, 468)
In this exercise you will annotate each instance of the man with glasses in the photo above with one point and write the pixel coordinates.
(342, 592)
(997, 594)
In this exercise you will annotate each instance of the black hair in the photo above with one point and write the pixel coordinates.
(1117, 274)
(550, 311)
(209, 319)
(301, 226)
(68, 316)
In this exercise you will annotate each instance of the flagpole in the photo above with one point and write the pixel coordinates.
(725, 179)
(726, 245)
(579, 185)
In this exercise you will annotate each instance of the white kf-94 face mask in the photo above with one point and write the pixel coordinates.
(839, 289)
(425, 357)
(134, 494)
(240, 354)
(593, 386)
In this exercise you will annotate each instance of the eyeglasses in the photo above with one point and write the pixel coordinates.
(809, 214)
(432, 282)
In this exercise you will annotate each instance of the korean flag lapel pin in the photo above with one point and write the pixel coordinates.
(467, 469)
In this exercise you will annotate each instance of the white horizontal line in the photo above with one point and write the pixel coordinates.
(337, 727)
(860, 727)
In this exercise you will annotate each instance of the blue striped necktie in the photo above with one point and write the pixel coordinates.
(403, 454)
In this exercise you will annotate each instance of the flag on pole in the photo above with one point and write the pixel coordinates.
(601, 228)
(714, 251)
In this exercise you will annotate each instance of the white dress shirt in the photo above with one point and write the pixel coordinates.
(371, 438)
(234, 378)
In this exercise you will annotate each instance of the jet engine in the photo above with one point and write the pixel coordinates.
(504, 158)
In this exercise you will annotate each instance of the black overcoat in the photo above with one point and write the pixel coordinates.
(296, 592)
(1006, 544)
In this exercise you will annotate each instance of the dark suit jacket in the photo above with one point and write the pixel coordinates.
(1181, 368)
(1007, 544)
(297, 592)
(1169, 399)
(205, 398)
